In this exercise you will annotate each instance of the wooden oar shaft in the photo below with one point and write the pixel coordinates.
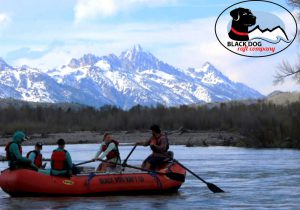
(190, 171)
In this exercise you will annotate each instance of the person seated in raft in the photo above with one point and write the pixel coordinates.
(159, 145)
(36, 156)
(61, 162)
(109, 149)
(14, 152)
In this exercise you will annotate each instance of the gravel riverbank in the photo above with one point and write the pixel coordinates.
(180, 137)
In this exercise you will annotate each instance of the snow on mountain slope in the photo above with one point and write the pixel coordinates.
(134, 77)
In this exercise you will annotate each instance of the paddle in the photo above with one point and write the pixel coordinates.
(125, 161)
(211, 186)
(172, 175)
(85, 162)
(46, 159)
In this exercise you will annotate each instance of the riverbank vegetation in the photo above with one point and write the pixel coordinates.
(263, 124)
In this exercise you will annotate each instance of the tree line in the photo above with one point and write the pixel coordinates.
(264, 124)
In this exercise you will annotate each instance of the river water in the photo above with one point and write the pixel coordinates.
(252, 179)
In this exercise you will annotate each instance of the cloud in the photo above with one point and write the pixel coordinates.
(91, 9)
(4, 19)
(54, 59)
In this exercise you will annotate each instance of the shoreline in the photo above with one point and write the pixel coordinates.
(179, 137)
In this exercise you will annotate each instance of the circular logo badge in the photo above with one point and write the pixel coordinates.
(256, 28)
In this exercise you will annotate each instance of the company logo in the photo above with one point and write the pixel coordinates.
(256, 28)
(68, 182)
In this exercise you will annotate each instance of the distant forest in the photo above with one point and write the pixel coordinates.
(263, 124)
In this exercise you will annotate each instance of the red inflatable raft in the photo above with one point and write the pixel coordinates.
(24, 182)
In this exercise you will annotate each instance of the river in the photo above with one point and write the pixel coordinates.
(252, 179)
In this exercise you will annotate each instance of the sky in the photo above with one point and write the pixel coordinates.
(47, 34)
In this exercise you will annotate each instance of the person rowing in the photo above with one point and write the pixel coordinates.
(159, 145)
(110, 150)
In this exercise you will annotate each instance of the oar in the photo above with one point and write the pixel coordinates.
(85, 162)
(211, 186)
(172, 175)
(125, 161)
(46, 159)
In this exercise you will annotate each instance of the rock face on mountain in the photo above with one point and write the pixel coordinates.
(134, 77)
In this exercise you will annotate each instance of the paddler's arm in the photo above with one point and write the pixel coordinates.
(69, 160)
(32, 156)
(110, 147)
(145, 144)
(15, 150)
(99, 151)
(162, 147)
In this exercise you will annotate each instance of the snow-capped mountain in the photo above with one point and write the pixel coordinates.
(134, 77)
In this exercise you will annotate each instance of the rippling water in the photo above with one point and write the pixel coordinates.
(252, 179)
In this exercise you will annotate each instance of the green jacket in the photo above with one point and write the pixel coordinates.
(15, 157)
(69, 163)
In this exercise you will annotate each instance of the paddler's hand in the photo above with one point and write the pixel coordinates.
(140, 143)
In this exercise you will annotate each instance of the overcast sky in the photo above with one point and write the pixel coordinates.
(48, 33)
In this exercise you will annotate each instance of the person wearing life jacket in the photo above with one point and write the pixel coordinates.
(36, 156)
(14, 152)
(108, 149)
(61, 162)
(159, 145)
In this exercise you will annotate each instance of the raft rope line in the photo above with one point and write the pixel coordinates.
(154, 175)
(156, 179)
(89, 178)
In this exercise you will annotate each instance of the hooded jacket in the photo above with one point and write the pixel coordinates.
(14, 151)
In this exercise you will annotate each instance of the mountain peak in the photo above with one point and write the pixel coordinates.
(133, 52)
(136, 58)
(137, 48)
(4, 65)
(208, 66)
(86, 60)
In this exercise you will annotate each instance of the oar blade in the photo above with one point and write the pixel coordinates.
(176, 176)
(214, 188)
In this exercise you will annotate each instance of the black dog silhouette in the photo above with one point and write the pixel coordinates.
(241, 19)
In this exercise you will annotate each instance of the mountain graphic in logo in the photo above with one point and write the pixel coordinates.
(243, 18)
(274, 35)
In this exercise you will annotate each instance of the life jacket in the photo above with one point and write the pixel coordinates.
(59, 160)
(38, 161)
(114, 153)
(8, 157)
(154, 141)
